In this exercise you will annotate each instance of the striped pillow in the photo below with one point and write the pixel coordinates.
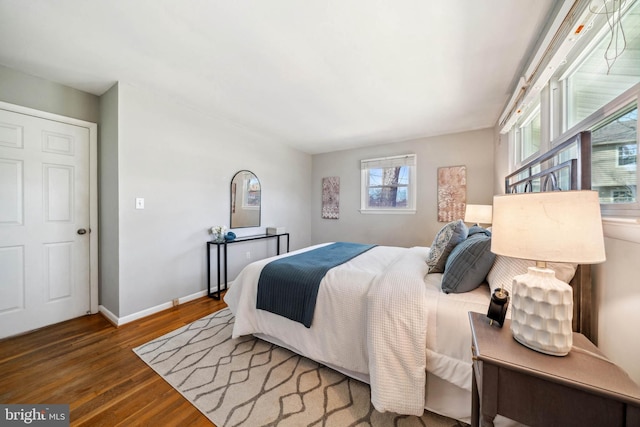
(468, 264)
(505, 269)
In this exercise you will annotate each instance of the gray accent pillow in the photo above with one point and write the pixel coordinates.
(444, 242)
(468, 264)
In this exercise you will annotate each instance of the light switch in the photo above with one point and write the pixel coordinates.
(139, 203)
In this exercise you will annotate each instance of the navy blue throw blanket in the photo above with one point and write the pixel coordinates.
(289, 286)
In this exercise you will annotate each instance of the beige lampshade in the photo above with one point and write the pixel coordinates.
(560, 226)
(478, 214)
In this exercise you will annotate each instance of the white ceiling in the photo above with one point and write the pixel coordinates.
(319, 75)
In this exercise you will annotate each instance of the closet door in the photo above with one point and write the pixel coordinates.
(44, 222)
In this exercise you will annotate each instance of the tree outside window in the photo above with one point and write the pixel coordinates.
(389, 185)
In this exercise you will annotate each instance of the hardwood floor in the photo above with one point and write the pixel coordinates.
(89, 364)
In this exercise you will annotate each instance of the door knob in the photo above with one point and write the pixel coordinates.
(82, 231)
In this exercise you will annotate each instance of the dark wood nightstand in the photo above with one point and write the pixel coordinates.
(581, 389)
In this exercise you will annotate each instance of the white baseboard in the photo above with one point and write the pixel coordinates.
(109, 315)
(119, 321)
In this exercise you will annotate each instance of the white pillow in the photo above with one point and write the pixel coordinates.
(504, 269)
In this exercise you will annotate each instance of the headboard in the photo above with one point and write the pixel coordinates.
(565, 167)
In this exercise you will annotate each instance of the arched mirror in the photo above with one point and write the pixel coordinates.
(245, 200)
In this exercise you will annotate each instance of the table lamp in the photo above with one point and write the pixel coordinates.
(559, 226)
(478, 214)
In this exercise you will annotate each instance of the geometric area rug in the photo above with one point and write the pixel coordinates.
(250, 382)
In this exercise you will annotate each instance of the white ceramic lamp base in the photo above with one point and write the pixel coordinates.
(542, 311)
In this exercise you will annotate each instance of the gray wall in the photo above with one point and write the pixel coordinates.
(182, 162)
(33, 92)
(473, 149)
(109, 292)
(617, 298)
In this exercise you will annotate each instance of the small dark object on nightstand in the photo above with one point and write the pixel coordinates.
(498, 306)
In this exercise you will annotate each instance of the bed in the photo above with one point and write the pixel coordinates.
(386, 299)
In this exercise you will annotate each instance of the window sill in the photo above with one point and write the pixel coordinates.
(627, 229)
(388, 211)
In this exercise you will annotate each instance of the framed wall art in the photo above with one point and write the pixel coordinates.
(452, 193)
(331, 197)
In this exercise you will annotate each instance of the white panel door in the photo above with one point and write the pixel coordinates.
(44, 222)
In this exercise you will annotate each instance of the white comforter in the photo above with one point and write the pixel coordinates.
(376, 319)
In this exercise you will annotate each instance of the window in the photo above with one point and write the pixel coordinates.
(528, 136)
(388, 185)
(593, 81)
(623, 196)
(614, 150)
(627, 155)
(250, 192)
(588, 82)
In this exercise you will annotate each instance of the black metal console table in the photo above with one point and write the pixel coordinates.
(216, 294)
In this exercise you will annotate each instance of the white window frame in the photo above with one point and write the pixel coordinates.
(603, 114)
(554, 104)
(409, 160)
(520, 131)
